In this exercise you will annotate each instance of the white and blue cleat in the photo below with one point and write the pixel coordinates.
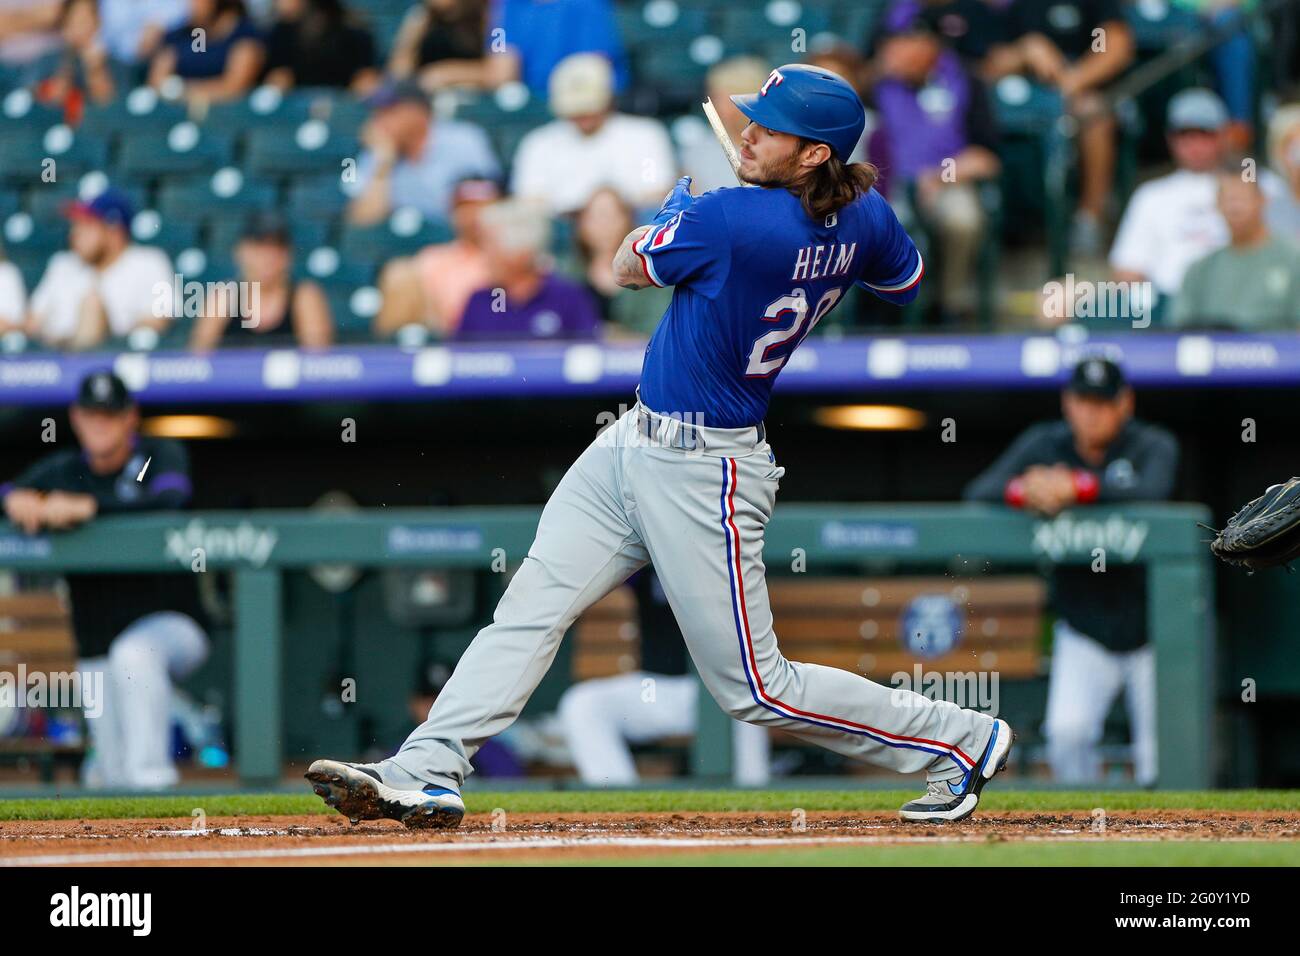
(359, 793)
(950, 800)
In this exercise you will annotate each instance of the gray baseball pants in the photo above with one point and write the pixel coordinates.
(636, 495)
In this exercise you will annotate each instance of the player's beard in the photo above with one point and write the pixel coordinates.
(777, 173)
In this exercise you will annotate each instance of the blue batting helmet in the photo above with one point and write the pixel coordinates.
(810, 102)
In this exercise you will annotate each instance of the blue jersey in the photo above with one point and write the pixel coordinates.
(754, 274)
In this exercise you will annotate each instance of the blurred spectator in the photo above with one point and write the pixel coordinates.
(533, 36)
(29, 35)
(602, 717)
(317, 43)
(104, 285)
(1058, 44)
(600, 228)
(1253, 283)
(217, 54)
(1283, 211)
(970, 27)
(1172, 221)
(139, 632)
(430, 289)
(412, 159)
(1099, 454)
(938, 140)
(132, 30)
(441, 44)
(13, 296)
(1234, 62)
(264, 306)
(81, 71)
(701, 158)
(590, 146)
(524, 299)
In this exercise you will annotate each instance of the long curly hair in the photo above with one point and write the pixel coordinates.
(832, 185)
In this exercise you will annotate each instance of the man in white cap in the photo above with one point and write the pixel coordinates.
(1174, 220)
(590, 146)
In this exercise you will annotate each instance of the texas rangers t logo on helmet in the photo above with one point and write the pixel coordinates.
(776, 79)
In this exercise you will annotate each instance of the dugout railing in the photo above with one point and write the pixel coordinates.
(257, 547)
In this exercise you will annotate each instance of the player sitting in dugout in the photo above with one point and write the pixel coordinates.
(141, 631)
(1099, 454)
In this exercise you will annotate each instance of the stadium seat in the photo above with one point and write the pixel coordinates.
(204, 265)
(185, 148)
(23, 232)
(856, 23)
(354, 311)
(344, 112)
(264, 106)
(48, 155)
(326, 265)
(405, 232)
(226, 192)
(319, 197)
(1158, 26)
(312, 147)
(140, 110)
(20, 110)
(31, 264)
(368, 8)
(511, 102)
(660, 21)
(679, 79)
(744, 28)
(9, 79)
(172, 235)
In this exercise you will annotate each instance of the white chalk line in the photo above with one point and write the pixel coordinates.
(524, 843)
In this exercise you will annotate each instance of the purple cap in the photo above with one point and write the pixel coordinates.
(393, 92)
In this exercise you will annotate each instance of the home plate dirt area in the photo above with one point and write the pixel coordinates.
(506, 838)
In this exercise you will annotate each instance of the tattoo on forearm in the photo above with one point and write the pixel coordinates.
(627, 264)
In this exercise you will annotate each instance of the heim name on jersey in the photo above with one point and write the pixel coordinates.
(810, 264)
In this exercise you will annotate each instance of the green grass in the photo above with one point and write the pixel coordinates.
(644, 801)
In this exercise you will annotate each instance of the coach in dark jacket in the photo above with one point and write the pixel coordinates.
(1098, 454)
(140, 631)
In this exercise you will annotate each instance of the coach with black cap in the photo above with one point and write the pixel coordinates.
(1098, 454)
(141, 631)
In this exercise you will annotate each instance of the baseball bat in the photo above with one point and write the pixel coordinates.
(724, 139)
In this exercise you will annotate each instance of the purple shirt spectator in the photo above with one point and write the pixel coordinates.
(560, 309)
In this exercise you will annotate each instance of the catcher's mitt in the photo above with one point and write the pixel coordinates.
(1266, 532)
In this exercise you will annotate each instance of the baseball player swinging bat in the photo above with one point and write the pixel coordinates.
(687, 480)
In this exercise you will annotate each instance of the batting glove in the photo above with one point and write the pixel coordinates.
(677, 200)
